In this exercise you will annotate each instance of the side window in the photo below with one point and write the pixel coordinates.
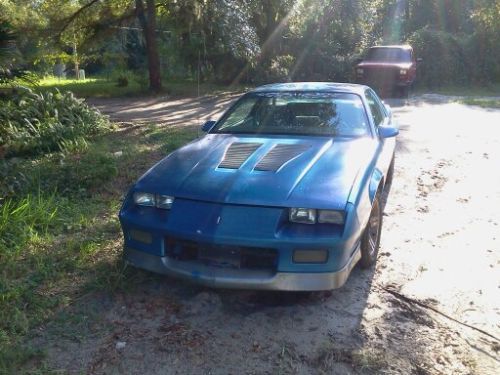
(240, 113)
(378, 114)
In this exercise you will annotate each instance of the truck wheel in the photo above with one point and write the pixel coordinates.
(403, 92)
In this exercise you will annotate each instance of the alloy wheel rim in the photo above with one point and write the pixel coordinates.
(373, 230)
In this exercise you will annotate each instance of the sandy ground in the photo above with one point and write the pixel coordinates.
(440, 247)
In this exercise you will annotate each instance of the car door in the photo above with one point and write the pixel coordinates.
(381, 116)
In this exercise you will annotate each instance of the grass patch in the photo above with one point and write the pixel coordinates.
(59, 233)
(481, 102)
(91, 87)
(453, 90)
(108, 88)
(365, 360)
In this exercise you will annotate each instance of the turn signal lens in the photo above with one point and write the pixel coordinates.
(331, 217)
(310, 256)
(141, 236)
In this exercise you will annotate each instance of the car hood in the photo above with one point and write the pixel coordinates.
(383, 65)
(292, 171)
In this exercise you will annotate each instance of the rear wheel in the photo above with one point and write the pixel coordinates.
(370, 241)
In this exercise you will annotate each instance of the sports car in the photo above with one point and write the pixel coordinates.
(283, 192)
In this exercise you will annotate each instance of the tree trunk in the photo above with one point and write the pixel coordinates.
(147, 18)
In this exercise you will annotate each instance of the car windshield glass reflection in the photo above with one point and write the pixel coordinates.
(296, 113)
(389, 54)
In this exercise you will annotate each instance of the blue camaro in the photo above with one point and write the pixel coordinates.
(283, 192)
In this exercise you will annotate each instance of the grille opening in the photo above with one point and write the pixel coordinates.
(264, 259)
(238, 257)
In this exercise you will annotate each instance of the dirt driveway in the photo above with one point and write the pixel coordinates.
(437, 272)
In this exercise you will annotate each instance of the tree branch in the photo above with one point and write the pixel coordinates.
(425, 306)
(76, 14)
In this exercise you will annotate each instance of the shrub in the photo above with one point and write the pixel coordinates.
(281, 68)
(122, 81)
(483, 55)
(33, 123)
(443, 56)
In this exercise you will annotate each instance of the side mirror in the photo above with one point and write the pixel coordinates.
(387, 131)
(207, 126)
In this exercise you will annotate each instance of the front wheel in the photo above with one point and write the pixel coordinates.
(370, 241)
(390, 173)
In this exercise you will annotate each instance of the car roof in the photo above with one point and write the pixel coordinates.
(313, 86)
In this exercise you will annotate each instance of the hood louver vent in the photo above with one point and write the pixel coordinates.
(279, 155)
(237, 153)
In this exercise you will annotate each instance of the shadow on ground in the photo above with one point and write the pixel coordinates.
(165, 323)
(162, 110)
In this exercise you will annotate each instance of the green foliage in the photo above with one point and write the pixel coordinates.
(93, 87)
(32, 123)
(9, 74)
(67, 173)
(443, 58)
(7, 42)
(482, 102)
(456, 59)
(483, 54)
(59, 242)
(280, 69)
(27, 226)
(257, 41)
(26, 218)
(78, 174)
(122, 81)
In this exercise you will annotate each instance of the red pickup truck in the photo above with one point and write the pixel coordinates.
(388, 69)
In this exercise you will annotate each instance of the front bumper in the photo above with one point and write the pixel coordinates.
(239, 278)
(381, 82)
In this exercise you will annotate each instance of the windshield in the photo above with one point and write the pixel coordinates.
(306, 113)
(389, 54)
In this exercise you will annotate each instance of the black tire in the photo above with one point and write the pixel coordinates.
(390, 173)
(370, 241)
(404, 92)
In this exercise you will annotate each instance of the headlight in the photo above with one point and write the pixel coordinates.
(360, 71)
(164, 201)
(403, 72)
(331, 217)
(302, 215)
(144, 199)
(153, 200)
